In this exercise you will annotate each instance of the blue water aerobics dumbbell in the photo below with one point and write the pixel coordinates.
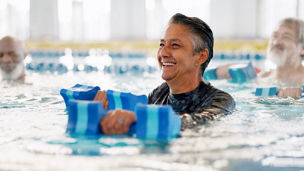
(79, 92)
(116, 99)
(270, 91)
(210, 74)
(153, 121)
(239, 73)
(156, 122)
(84, 117)
(121, 100)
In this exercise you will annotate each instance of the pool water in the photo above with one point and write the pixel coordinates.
(261, 134)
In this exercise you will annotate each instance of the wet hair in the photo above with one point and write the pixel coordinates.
(202, 36)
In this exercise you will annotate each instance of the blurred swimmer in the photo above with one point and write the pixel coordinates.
(12, 55)
(285, 51)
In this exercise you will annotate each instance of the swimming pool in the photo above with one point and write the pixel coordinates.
(262, 133)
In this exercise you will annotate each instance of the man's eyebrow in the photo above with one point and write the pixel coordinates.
(288, 34)
(170, 40)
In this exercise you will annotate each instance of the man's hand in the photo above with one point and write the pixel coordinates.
(101, 96)
(290, 92)
(222, 71)
(117, 122)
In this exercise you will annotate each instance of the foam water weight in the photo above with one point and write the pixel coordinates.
(271, 91)
(153, 121)
(239, 73)
(79, 92)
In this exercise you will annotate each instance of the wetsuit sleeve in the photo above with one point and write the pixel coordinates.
(221, 104)
(159, 95)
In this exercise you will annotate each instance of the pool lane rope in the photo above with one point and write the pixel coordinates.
(153, 121)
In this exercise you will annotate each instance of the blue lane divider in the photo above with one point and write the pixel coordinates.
(84, 117)
(79, 92)
(270, 91)
(127, 101)
(241, 73)
(56, 67)
(153, 121)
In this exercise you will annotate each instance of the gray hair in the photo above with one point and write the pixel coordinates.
(202, 36)
(299, 25)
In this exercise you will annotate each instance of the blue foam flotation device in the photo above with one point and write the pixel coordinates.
(239, 73)
(210, 74)
(127, 101)
(270, 91)
(156, 122)
(153, 121)
(84, 117)
(79, 92)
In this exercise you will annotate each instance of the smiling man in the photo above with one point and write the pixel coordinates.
(285, 48)
(12, 54)
(184, 53)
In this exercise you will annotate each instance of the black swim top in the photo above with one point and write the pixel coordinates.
(197, 106)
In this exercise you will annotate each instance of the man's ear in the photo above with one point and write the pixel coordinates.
(203, 56)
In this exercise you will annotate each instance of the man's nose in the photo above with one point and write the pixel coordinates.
(164, 52)
(7, 58)
(277, 41)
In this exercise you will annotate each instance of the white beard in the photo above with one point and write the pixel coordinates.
(277, 59)
(15, 74)
(280, 60)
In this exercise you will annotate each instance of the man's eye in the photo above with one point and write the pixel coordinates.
(161, 44)
(11, 54)
(287, 37)
(175, 45)
(1, 55)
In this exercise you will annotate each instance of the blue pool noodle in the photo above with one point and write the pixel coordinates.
(79, 92)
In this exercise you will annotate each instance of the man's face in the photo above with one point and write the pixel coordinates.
(11, 54)
(175, 54)
(283, 48)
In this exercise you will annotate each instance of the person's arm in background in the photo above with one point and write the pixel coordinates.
(222, 71)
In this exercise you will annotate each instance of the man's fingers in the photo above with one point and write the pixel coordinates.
(97, 96)
(117, 122)
(106, 105)
(290, 92)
